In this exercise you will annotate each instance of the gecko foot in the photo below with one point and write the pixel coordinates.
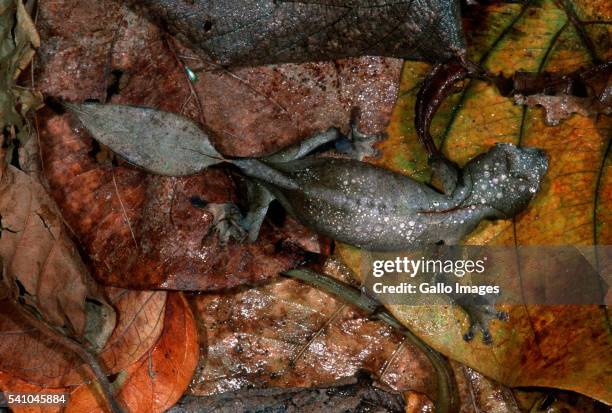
(227, 222)
(480, 314)
(358, 145)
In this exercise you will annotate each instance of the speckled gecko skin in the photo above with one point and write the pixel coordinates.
(379, 210)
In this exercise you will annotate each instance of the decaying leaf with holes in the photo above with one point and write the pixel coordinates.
(18, 42)
(252, 33)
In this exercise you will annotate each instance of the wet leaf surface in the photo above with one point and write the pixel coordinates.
(550, 346)
(286, 334)
(254, 33)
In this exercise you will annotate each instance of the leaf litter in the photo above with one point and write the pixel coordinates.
(130, 83)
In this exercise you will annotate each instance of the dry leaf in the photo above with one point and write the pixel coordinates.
(152, 383)
(156, 381)
(40, 361)
(254, 33)
(37, 253)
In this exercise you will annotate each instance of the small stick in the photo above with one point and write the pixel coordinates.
(73, 345)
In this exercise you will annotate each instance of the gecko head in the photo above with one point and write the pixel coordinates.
(507, 177)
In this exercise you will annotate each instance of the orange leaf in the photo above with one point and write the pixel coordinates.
(160, 377)
(29, 355)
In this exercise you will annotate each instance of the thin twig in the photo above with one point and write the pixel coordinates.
(74, 346)
(127, 218)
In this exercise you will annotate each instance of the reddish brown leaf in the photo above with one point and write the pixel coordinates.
(286, 334)
(142, 231)
(255, 111)
(151, 384)
(30, 356)
(9, 383)
(159, 378)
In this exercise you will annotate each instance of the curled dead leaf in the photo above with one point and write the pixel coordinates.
(558, 108)
(158, 379)
(43, 362)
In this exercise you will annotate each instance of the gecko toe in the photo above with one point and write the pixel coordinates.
(227, 222)
(480, 315)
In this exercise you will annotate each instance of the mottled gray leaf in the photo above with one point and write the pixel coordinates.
(256, 32)
(160, 142)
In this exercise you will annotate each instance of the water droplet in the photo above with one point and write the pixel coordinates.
(191, 75)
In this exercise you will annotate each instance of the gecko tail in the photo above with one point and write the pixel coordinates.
(160, 142)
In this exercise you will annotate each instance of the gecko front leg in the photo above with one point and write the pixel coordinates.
(358, 145)
(227, 222)
(481, 311)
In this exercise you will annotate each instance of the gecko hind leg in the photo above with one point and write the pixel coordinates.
(259, 202)
(480, 313)
(229, 222)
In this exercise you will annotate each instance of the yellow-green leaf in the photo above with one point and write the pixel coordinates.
(564, 347)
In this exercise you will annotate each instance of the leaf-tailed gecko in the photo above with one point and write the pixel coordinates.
(345, 199)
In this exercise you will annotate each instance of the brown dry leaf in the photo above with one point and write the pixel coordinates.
(45, 363)
(141, 230)
(156, 381)
(40, 260)
(37, 253)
